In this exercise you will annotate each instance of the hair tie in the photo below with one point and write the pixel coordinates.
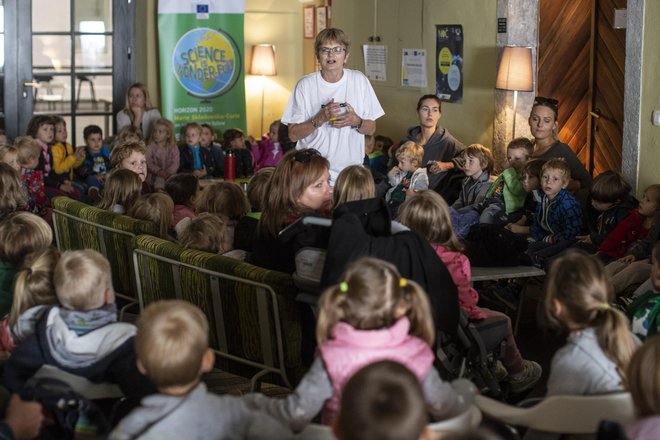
(605, 306)
(403, 282)
(343, 287)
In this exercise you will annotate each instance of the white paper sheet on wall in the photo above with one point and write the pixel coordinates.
(413, 68)
(375, 62)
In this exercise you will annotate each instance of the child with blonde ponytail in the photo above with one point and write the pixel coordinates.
(373, 314)
(33, 289)
(600, 344)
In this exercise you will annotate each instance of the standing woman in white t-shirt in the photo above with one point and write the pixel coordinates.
(138, 111)
(331, 110)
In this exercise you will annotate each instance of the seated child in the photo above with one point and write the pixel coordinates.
(371, 315)
(183, 189)
(611, 202)
(225, 199)
(82, 336)
(65, 159)
(268, 152)
(162, 153)
(209, 233)
(21, 233)
(355, 182)
(505, 198)
(13, 191)
(122, 189)
(234, 140)
(9, 155)
(246, 228)
(130, 134)
(428, 215)
(599, 346)
(558, 218)
(531, 184)
(28, 157)
(644, 386)
(478, 166)
(384, 401)
(33, 292)
(643, 310)
(635, 266)
(633, 228)
(96, 166)
(173, 351)
(156, 207)
(207, 141)
(192, 157)
(408, 177)
(377, 157)
(130, 155)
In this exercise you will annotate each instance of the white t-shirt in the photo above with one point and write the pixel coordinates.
(341, 146)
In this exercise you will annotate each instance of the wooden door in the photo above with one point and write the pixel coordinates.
(581, 63)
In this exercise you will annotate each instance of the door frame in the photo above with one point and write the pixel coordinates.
(18, 60)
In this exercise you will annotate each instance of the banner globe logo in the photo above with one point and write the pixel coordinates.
(206, 62)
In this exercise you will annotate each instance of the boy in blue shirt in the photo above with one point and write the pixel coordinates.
(558, 219)
(96, 165)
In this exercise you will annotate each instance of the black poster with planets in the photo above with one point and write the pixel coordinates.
(449, 62)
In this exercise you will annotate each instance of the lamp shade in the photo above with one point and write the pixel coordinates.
(263, 60)
(515, 70)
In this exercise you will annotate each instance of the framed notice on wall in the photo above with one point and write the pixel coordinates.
(321, 18)
(308, 22)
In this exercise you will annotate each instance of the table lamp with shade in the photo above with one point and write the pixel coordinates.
(515, 73)
(263, 63)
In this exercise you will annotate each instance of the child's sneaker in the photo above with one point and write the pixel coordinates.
(500, 371)
(527, 378)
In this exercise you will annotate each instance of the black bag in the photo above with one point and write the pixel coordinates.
(68, 414)
(493, 245)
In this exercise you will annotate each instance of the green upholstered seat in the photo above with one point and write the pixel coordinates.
(81, 226)
(252, 311)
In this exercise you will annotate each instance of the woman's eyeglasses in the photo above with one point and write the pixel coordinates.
(304, 156)
(546, 101)
(336, 50)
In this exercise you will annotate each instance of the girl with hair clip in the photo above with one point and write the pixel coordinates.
(353, 183)
(157, 208)
(122, 189)
(373, 314)
(299, 186)
(577, 298)
(138, 111)
(33, 290)
(427, 214)
(162, 153)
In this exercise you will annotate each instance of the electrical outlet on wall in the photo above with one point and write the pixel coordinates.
(656, 117)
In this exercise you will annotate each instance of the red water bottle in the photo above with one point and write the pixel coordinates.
(230, 165)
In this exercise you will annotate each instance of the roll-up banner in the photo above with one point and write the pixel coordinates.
(202, 65)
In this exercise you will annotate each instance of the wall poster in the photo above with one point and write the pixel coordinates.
(449, 62)
(202, 68)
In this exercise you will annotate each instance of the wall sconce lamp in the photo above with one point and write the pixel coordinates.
(515, 73)
(263, 63)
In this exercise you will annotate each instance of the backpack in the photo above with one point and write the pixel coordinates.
(489, 245)
(644, 315)
(68, 415)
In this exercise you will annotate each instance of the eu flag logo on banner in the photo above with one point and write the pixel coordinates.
(202, 11)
